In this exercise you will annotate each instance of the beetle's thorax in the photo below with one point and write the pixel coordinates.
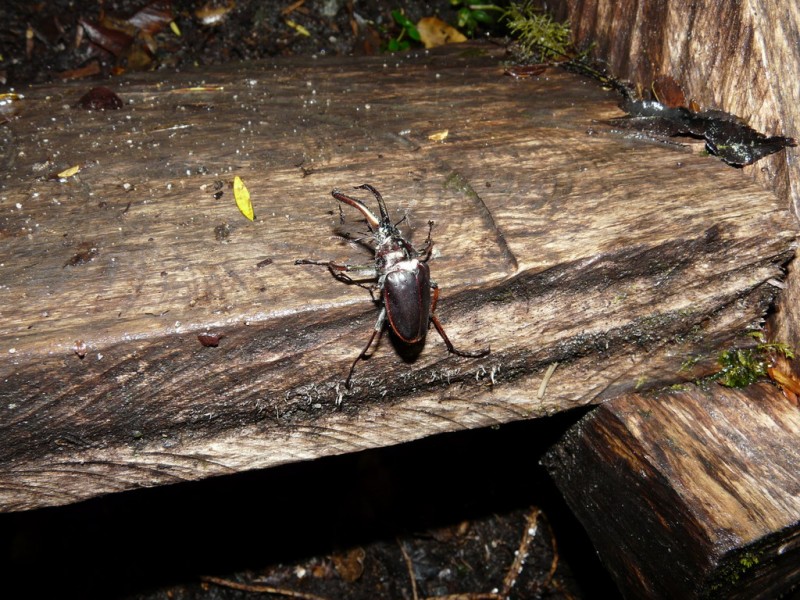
(391, 247)
(402, 265)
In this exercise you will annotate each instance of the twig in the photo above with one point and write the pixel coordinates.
(531, 528)
(514, 570)
(292, 7)
(547, 375)
(410, 567)
(259, 589)
(554, 564)
(468, 596)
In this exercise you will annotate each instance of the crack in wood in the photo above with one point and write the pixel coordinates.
(456, 181)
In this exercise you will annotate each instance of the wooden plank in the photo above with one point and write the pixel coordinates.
(731, 56)
(556, 241)
(690, 494)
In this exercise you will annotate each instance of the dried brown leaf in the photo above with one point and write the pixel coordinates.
(434, 32)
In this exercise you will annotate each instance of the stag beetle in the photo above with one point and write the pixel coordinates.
(403, 276)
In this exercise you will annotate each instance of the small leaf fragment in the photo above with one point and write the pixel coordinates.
(439, 136)
(80, 349)
(211, 14)
(67, 173)
(210, 340)
(407, 24)
(298, 28)
(242, 197)
(100, 98)
(350, 564)
(435, 32)
(152, 18)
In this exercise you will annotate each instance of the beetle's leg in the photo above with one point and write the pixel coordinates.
(363, 273)
(428, 247)
(435, 299)
(337, 269)
(340, 271)
(440, 329)
(378, 328)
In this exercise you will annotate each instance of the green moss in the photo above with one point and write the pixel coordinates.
(689, 363)
(539, 37)
(471, 16)
(743, 366)
(732, 570)
(749, 560)
(778, 347)
(740, 367)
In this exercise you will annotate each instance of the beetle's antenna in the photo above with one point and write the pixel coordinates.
(372, 220)
(381, 204)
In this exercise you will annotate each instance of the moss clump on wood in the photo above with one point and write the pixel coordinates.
(538, 36)
(741, 367)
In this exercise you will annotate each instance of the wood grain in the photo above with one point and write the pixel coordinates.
(557, 240)
(690, 494)
(695, 495)
(731, 56)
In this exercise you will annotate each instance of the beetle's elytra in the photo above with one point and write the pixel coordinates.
(403, 279)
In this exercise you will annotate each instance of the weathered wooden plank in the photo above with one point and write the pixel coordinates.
(691, 494)
(556, 241)
(731, 56)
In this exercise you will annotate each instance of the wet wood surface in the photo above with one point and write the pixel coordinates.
(730, 56)
(706, 495)
(559, 243)
(699, 485)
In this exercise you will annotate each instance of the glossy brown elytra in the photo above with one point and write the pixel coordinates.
(403, 279)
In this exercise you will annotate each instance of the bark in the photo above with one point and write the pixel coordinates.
(695, 496)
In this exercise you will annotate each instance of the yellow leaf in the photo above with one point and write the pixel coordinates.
(242, 197)
(439, 136)
(298, 28)
(435, 32)
(9, 97)
(69, 172)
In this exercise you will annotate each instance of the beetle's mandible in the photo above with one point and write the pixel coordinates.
(403, 279)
